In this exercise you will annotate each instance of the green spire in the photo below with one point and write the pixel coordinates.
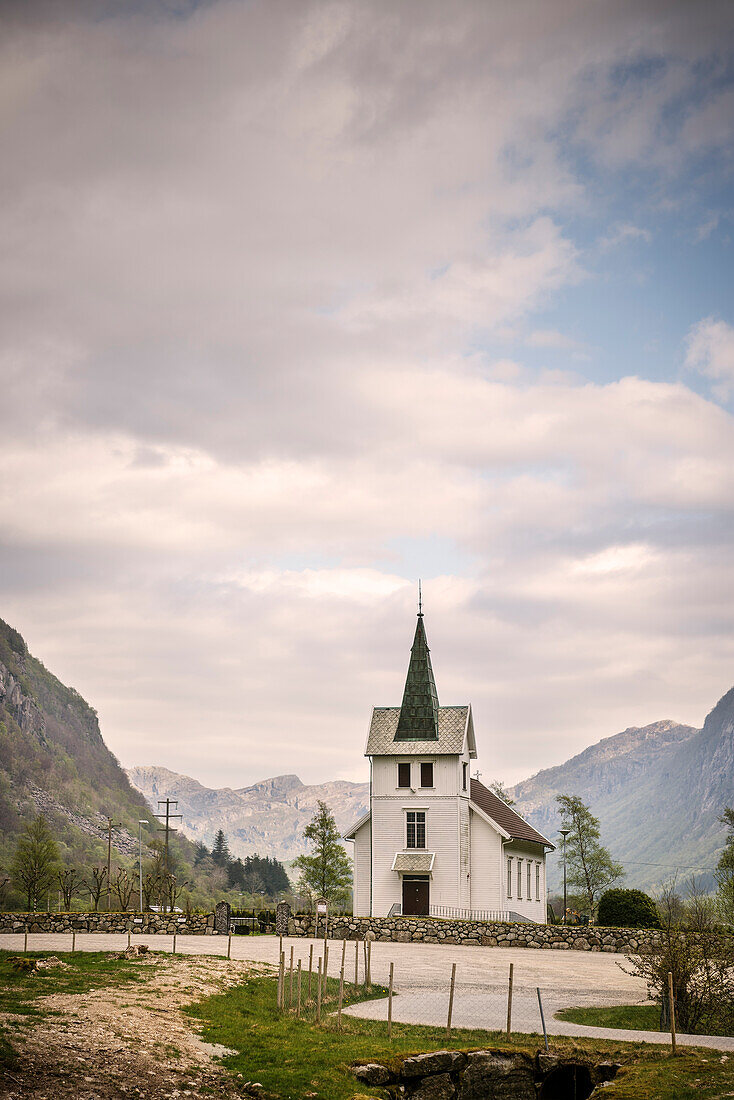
(419, 712)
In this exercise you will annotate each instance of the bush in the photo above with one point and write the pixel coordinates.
(627, 909)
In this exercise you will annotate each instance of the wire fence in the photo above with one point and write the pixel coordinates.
(330, 982)
(337, 979)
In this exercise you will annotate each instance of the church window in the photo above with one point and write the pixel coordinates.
(528, 894)
(509, 876)
(519, 879)
(464, 774)
(404, 775)
(537, 882)
(416, 829)
(426, 775)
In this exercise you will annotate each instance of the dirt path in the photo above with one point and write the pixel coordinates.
(118, 1043)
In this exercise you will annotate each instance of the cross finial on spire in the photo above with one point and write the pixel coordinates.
(420, 600)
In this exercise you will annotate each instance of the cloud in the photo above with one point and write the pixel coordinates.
(710, 351)
(260, 264)
(622, 234)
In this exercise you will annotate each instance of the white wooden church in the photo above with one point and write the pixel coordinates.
(435, 840)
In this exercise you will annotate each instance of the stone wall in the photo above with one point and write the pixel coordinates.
(149, 923)
(479, 933)
(513, 1075)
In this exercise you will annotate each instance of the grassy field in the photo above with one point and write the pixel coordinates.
(630, 1017)
(293, 1058)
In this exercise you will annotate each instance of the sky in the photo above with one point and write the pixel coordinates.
(303, 301)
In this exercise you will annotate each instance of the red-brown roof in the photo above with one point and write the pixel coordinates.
(504, 815)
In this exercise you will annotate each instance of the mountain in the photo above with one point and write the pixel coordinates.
(268, 817)
(53, 760)
(657, 791)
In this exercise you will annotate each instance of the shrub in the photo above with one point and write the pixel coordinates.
(627, 909)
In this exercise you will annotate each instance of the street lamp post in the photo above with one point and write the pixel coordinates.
(140, 859)
(564, 833)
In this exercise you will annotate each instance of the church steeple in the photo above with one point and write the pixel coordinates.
(418, 719)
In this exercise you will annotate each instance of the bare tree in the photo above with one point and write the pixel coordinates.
(123, 886)
(97, 885)
(70, 882)
(174, 888)
(151, 887)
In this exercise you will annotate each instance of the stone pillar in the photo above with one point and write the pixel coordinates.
(282, 916)
(222, 915)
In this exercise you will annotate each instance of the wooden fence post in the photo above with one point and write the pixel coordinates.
(356, 962)
(299, 990)
(389, 1004)
(290, 981)
(25, 941)
(369, 964)
(509, 1002)
(128, 937)
(310, 969)
(341, 997)
(281, 981)
(229, 945)
(73, 942)
(318, 994)
(325, 972)
(672, 1013)
(174, 943)
(451, 1001)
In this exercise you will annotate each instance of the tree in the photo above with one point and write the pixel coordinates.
(497, 787)
(327, 872)
(35, 862)
(590, 868)
(724, 873)
(627, 909)
(123, 886)
(220, 851)
(70, 883)
(97, 885)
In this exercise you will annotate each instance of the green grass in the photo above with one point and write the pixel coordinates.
(292, 1057)
(629, 1017)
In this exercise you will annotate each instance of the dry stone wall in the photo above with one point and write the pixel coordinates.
(512, 1075)
(479, 933)
(149, 923)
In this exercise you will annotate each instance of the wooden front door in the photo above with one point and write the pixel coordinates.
(415, 896)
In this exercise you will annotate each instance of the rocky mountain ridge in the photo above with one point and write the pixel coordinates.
(267, 818)
(657, 790)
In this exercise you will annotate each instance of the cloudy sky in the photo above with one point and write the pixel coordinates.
(302, 301)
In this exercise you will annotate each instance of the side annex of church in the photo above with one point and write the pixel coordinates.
(436, 841)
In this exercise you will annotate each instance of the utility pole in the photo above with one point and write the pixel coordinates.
(110, 826)
(168, 816)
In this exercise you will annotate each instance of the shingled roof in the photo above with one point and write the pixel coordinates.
(454, 725)
(505, 816)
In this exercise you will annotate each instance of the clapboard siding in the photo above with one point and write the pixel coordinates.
(486, 864)
(532, 907)
(362, 864)
(446, 774)
(388, 832)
